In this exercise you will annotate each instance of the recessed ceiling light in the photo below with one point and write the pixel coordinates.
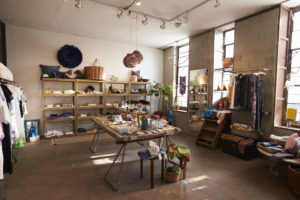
(163, 25)
(138, 3)
(218, 3)
(145, 20)
(120, 13)
(178, 23)
(78, 4)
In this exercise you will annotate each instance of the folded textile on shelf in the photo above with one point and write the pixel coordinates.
(69, 91)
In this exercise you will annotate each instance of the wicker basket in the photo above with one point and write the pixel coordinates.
(172, 176)
(94, 73)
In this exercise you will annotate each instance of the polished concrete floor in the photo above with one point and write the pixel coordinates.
(68, 171)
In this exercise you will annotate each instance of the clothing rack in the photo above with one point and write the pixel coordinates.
(252, 70)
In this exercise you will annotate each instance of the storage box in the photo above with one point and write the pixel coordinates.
(232, 148)
(294, 178)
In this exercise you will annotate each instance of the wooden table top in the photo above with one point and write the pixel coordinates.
(126, 138)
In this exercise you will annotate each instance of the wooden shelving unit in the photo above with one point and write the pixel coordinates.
(211, 131)
(200, 94)
(103, 98)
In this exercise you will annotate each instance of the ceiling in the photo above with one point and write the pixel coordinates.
(99, 21)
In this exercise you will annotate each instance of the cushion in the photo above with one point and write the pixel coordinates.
(5, 73)
(136, 73)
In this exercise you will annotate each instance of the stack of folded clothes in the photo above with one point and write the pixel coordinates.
(270, 147)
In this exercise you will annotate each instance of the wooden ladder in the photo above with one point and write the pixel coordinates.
(211, 131)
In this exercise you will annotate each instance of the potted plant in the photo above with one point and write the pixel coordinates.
(177, 106)
(163, 92)
(144, 119)
(172, 174)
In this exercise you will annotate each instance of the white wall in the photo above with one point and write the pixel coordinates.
(28, 48)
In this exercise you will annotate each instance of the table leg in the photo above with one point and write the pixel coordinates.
(120, 172)
(152, 173)
(95, 141)
(184, 170)
(141, 169)
(162, 167)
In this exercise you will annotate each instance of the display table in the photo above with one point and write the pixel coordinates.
(125, 138)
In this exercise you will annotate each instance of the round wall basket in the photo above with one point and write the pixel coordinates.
(69, 56)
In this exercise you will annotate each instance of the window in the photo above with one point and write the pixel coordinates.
(293, 98)
(224, 48)
(182, 75)
(229, 44)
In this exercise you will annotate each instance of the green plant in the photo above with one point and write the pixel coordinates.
(113, 78)
(162, 91)
(144, 117)
(176, 169)
(179, 151)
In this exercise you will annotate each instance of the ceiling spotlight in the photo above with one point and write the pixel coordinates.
(218, 3)
(138, 2)
(163, 25)
(145, 20)
(78, 4)
(185, 18)
(178, 23)
(120, 13)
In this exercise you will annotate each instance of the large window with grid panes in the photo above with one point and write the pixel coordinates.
(224, 49)
(293, 78)
(182, 65)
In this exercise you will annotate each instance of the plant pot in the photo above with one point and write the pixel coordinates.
(144, 125)
(172, 176)
(177, 107)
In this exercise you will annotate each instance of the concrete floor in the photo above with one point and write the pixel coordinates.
(70, 172)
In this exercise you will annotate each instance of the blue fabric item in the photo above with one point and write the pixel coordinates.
(277, 148)
(145, 155)
(268, 144)
(170, 118)
(66, 114)
(69, 56)
(47, 69)
(53, 116)
(207, 113)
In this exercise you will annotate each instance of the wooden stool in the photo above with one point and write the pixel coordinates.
(151, 158)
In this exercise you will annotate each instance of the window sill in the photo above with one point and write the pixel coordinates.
(287, 128)
(182, 111)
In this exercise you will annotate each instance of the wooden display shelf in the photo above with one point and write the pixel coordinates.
(58, 95)
(89, 107)
(89, 81)
(90, 95)
(113, 82)
(198, 94)
(116, 95)
(59, 79)
(139, 95)
(59, 108)
(59, 119)
(139, 83)
(83, 118)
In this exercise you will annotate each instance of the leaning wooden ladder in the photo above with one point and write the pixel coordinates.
(211, 131)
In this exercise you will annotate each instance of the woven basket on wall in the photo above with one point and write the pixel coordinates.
(94, 72)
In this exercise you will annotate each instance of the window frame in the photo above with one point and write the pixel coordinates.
(225, 45)
(295, 124)
(177, 71)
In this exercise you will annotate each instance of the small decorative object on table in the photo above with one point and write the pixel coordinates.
(144, 120)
